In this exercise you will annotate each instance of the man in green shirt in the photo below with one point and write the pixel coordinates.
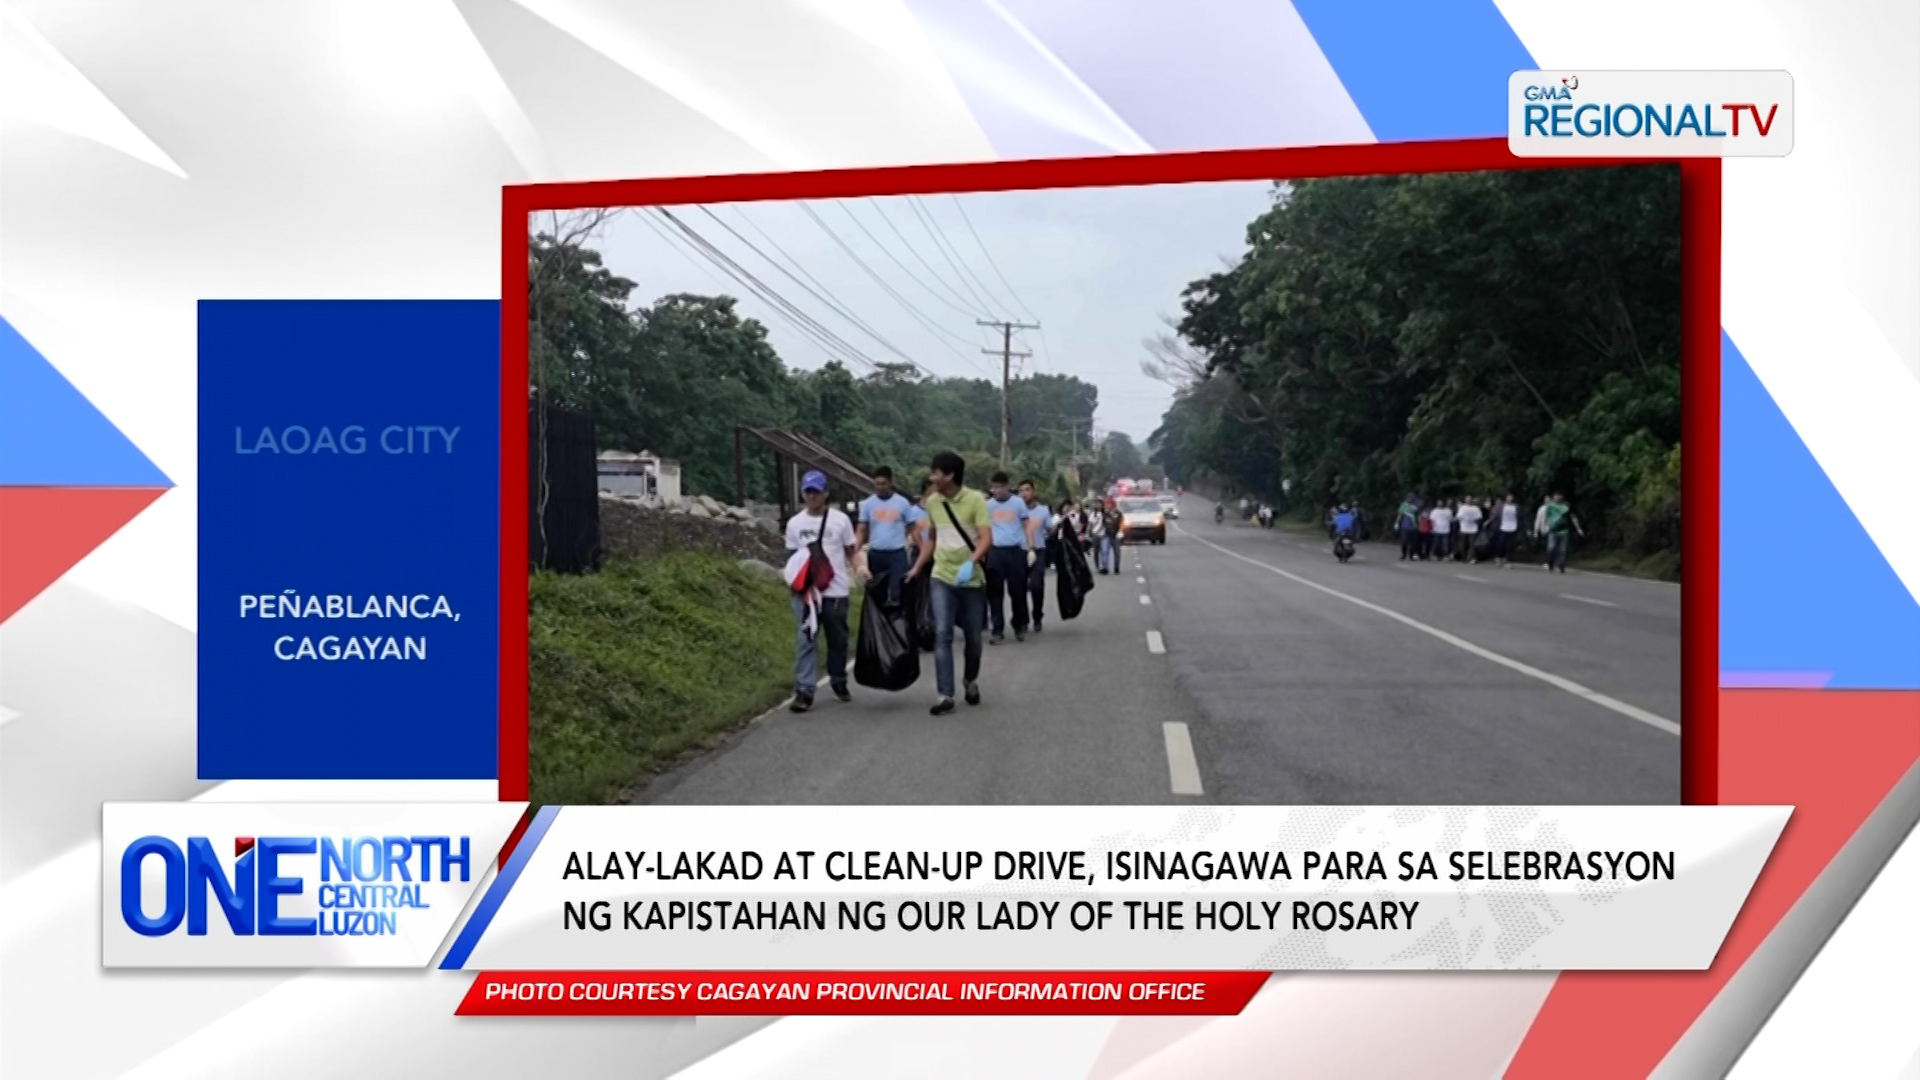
(962, 533)
(1561, 524)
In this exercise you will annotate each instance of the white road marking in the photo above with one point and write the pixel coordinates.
(1182, 767)
(1470, 577)
(1587, 600)
(1155, 643)
(1568, 685)
(1625, 577)
(1145, 599)
(1140, 581)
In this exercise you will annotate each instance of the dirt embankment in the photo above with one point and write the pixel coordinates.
(629, 530)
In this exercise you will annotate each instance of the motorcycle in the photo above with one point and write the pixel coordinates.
(1343, 547)
(1219, 515)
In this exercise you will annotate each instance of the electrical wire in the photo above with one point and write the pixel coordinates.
(890, 290)
(915, 278)
(763, 290)
(939, 243)
(833, 302)
(922, 260)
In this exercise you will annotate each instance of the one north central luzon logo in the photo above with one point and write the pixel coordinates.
(1557, 110)
(365, 883)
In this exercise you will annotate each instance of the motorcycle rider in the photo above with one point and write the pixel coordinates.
(1345, 524)
(1219, 513)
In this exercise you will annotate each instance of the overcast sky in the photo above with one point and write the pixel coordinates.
(1097, 268)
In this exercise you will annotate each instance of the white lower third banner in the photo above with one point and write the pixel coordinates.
(1119, 888)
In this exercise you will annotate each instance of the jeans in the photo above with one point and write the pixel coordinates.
(1037, 585)
(1103, 553)
(966, 608)
(889, 570)
(1503, 544)
(1007, 574)
(1557, 550)
(806, 650)
(1409, 541)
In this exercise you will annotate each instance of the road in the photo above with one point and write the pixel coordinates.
(1241, 665)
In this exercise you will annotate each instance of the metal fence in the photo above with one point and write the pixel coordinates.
(565, 481)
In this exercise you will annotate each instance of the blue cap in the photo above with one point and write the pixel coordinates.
(814, 480)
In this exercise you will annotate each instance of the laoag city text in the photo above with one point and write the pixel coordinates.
(351, 439)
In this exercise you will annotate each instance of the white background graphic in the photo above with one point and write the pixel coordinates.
(156, 153)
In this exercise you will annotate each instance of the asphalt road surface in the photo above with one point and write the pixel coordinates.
(1242, 665)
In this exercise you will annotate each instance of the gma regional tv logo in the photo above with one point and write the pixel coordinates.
(1658, 114)
(270, 886)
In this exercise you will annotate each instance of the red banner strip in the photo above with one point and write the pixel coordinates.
(860, 993)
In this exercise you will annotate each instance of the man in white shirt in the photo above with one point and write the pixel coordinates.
(1540, 524)
(1468, 516)
(1507, 529)
(1442, 517)
(834, 530)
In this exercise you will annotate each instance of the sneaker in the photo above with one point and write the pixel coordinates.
(942, 707)
(840, 691)
(997, 639)
(1036, 625)
(801, 703)
(1019, 635)
(973, 695)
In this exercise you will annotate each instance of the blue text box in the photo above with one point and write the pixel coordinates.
(349, 450)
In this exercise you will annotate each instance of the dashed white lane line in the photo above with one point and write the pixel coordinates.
(1548, 677)
(1588, 600)
(1139, 581)
(1183, 769)
(1155, 643)
(1470, 577)
(1145, 599)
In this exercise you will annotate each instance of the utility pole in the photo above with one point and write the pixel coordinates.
(1006, 354)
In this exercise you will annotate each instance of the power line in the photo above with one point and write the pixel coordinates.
(762, 289)
(922, 260)
(890, 290)
(1017, 302)
(915, 278)
(833, 303)
(1046, 348)
(940, 244)
(680, 245)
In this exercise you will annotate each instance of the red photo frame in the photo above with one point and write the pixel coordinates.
(1699, 355)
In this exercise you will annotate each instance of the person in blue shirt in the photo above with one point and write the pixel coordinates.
(1346, 522)
(1006, 560)
(1039, 531)
(885, 517)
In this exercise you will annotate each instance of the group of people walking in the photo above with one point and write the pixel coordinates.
(977, 555)
(1476, 530)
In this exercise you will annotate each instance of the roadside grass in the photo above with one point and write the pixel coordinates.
(644, 662)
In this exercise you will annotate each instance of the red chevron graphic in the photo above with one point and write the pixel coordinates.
(44, 531)
(1832, 755)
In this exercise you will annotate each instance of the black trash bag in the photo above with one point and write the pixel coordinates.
(885, 658)
(1073, 577)
(917, 597)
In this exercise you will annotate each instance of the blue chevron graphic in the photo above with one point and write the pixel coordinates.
(1420, 69)
(52, 436)
(1810, 591)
